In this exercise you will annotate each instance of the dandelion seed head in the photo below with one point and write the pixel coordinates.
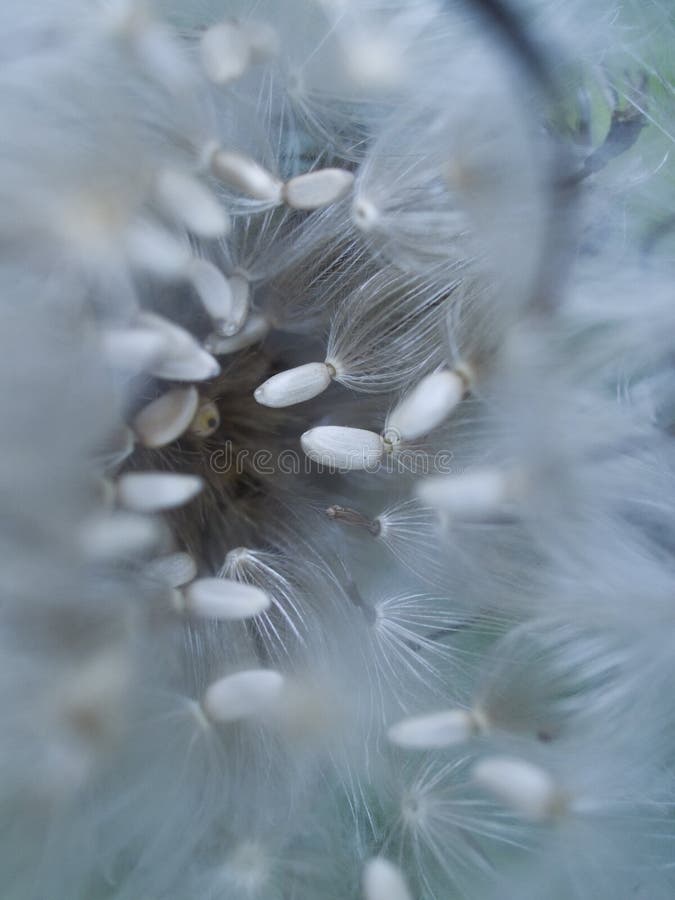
(335, 454)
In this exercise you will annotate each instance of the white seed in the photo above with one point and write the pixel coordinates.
(206, 420)
(241, 301)
(175, 569)
(156, 491)
(124, 17)
(262, 39)
(474, 495)
(343, 448)
(442, 729)
(245, 175)
(175, 337)
(197, 365)
(428, 404)
(92, 697)
(184, 359)
(187, 201)
(223, 598)
(383, 880)
(526, 788)
(375, 61)
(162, 57)
(214, 291)
(244, 695)
(152, 42)
(166, 418)
(132, 349)
(155, 250)
(316, 189)
(294, 385)
(225, 52)
(256, 329)
(118, 535)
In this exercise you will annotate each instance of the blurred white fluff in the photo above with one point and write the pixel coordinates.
(225, 225)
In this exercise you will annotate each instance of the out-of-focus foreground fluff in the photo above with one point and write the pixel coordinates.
(337, 461)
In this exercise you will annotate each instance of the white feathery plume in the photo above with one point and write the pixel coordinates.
(282, 583)
(378, 339)
(440, 823)
(412, 535)
(382, 334)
